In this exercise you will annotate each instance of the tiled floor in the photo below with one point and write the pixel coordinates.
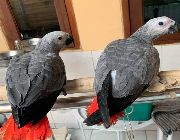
(61, 118)
(92, 135)
(104, 135)
(64, 118)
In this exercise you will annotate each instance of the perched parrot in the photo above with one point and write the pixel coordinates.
(34, 81)
(125, 69)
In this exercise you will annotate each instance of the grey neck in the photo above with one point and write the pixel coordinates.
(46, 47)
(143, 35)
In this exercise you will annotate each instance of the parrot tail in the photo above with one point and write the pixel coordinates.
(94, 116)
(38, 131)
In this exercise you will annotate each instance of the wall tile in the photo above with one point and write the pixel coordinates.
(95, 56)
(2, 75)
(159, 48)
(78, 64)
(171, 57)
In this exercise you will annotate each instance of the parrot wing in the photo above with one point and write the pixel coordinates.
(17, 79)
(29, 79)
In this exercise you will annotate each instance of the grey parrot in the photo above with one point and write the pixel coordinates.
(35, 80)
(126, 68)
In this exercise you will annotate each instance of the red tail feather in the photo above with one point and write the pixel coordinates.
(94, 106)
(38, 131)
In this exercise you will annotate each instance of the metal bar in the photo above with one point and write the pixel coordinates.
(5, 108)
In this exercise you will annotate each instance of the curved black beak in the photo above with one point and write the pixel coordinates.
(69, 40)
(174, 28)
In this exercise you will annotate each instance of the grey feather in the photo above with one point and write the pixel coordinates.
(40, 71)
(133, 63)
(135, 60)
(126, 68)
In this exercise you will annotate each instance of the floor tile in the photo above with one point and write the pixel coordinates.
(86, 127)
(8, 114)
(176, 135)
(60, 134)
(76, 134)
(50, 118)
(103, 135)
(64, 118)
(139, 135)
(151, 135)
(49, 115)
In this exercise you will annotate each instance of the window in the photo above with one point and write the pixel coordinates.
(147, 9)
(35, 18)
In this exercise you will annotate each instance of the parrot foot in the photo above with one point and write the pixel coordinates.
(162, 80)
(64, 92)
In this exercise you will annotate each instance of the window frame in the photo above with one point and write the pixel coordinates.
(7, 21)
(136, 15)
(65, 17)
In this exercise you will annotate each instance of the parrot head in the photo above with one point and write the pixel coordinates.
(55, 40)
(156, 27)
(162, 25)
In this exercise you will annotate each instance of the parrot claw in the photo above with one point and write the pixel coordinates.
(64, 92)
(162, 80)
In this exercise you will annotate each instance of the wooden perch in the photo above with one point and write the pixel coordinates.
(82, 85)
(167, 90)
(171, 81)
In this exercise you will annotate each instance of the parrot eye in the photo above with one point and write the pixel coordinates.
(59, 38)
(160, 23)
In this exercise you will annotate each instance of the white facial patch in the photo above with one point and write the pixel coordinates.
(113, 76)
(154, 26)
